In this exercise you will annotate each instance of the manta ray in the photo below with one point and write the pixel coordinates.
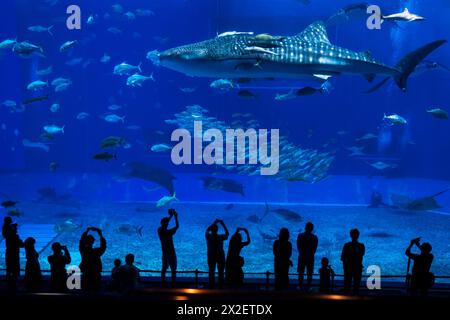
(307, 55)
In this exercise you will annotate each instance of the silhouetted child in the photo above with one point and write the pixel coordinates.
(282, 251)
(114, 284)
(33, 276)
(326, 276)
(58, 262)
(127, 275)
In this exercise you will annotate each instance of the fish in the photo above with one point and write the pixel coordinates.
(160, 148)
(151, 173)
(35, 99)
(137, 80)
(114, 107)
(394, 119)
(90, 20)
(233, 33)
(112, 142)
(82, 115)
(106, 156)
(55, 107)
(37, 85)
(129, 229)
(45, 72)
(130, 15)
(419, 204)
(286, 214)
(188, 90)
(403, 16)
(53, 129)
(115, 30)
(9, 103)
(285, 96)
(380, 235)
(117, 8)
(105, 58)
(113, 118)
(59, 81)
(379, 165)
(39, 145)
(7, 44)
(68, 45)
(246, 94)
(367, 136)
(39, 28)
(307, 55)
(53, 166)
(73, 62)
(307, 91)
(9, 204)
(67, 226)
(227, 185)
(254, 218)
(356, 151)
(438, 113)
(153, 56)
(63, 87)
(124, 68)
(222, 84)
(26, 49)
(144, 12)
(166, 200)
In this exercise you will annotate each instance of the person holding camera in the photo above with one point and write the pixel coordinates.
(91, 262)
(233, 268)
(58, 262)
(169, 257)
(216, 254)
(421, 277)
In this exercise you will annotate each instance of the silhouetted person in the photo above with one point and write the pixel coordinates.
(307, 246)
(114, 284)
(352, 259)
(127, 275)
(91, 262)
(33, 275)
(282, 251)
(216, 254)
(421, 278)
(58, 262)
(12, 256)
(326, 276)
(169, 257)
(234, 262)
(7, 222)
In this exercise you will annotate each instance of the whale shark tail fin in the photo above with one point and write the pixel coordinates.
(409, 62)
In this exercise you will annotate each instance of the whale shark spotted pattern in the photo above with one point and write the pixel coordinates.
(308, 54)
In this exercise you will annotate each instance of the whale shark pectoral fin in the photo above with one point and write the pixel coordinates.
(322, 77)
(315, 32)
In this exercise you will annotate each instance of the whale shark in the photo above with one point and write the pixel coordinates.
(308, 55)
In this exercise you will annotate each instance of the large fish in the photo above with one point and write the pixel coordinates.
(308, 54)
(154, 174)
(226, 185)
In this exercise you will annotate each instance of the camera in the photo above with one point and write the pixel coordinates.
(171, 212)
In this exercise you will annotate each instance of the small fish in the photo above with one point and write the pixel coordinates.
(7, 44)
(63, 87)
(222, 84)
(438, 113)
(160, 148)
(114, 107)
(55, 107)
(41, 29)
(367, 136)
(285, 96)
(9, 103)
(137, 80)
(117, 8)
(105, 58)
(73, 62)
(53, 166)
(130, 229)
(68, 45)
(53, 129)
(307, 91)
(35, 99)
(153, 56)
(133, 127)
(112, 142)
(38, 145)
(37, 85)
(125, 69)
(113, 118)
(26, 49)
(233, 33)
(403, 16)
(82, 115)
(260, 50)
(90, 20)
(394, 119)
(67, 226)
(382, 166)
(246, 94)
(114, 30)
(166, 200)
(105, 156)
(58, 81)
(130, 15)
(188, 90)
(45, 72)
(144, 12)
(9, 204)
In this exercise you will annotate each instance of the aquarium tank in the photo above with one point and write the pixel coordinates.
(291, 111)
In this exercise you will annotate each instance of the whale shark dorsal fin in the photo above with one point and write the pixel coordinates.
(315, 32)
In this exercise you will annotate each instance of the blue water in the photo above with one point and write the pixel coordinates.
(100, 195)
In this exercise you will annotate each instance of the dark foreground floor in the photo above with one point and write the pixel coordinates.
(189, 303)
